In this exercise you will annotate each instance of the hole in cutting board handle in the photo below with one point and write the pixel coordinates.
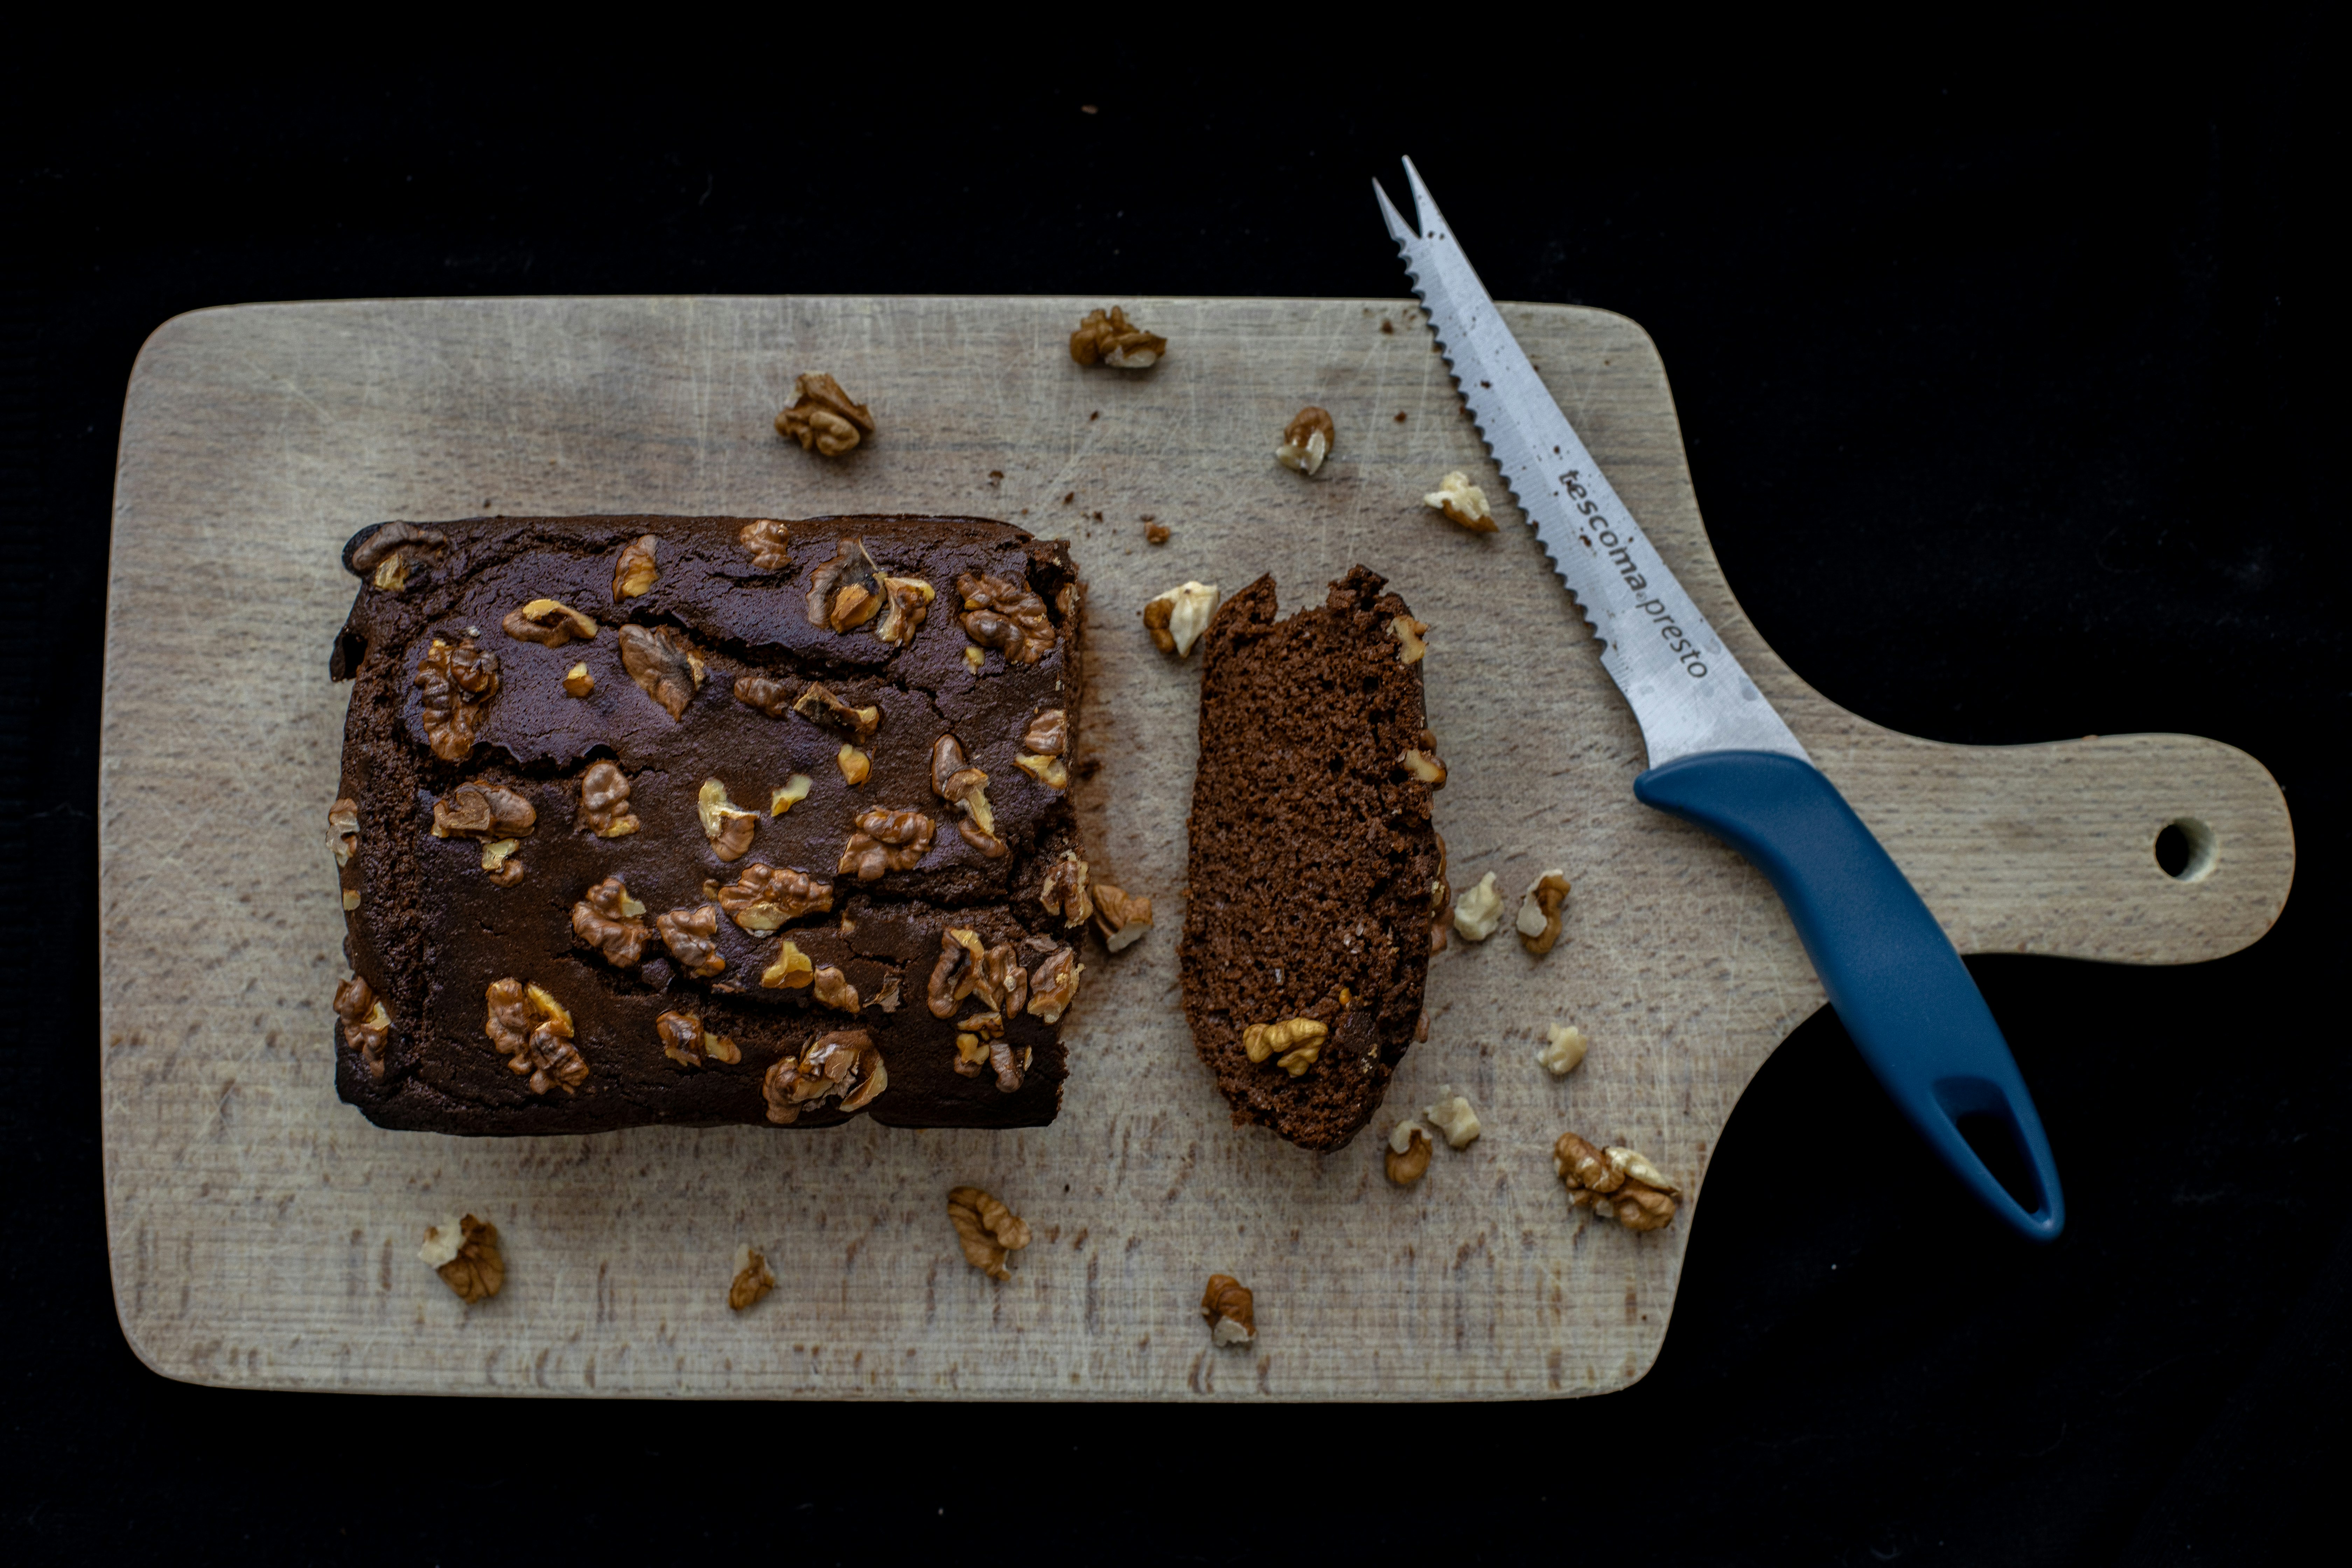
(2186, 849)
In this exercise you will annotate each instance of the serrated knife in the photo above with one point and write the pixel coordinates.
(1721, 758)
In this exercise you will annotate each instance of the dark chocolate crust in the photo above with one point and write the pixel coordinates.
(433, 930)
(1312, 855)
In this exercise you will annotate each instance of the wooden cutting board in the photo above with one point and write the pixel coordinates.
(264, 1234)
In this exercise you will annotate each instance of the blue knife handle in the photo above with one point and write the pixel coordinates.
(1891, 975)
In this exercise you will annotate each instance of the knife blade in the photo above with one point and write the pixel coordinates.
(1687, 691)
(1722, 758)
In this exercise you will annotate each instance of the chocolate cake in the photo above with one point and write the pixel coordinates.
(703, 820)
(1313, 857)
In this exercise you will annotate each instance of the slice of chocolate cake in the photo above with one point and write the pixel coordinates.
(1312, 857)
(663, 819)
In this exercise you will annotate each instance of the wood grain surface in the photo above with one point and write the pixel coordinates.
(264, 1234)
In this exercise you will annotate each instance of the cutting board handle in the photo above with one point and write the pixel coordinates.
(1896, 982)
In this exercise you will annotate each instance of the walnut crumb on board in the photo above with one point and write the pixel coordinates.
(752, 1280)
(1453, 1117)
(1477, 910)
(988, 1230)
(1231, 1310)
(464, 1253)
(1565, 1052)
(1407, 1157)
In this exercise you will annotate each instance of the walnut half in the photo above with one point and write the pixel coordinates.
(1615, 1184)
(1063, 892)
(343, 830)
(1295, 1043)
(386, 553)
(459, 683)
(987, 1229)
(605, 801)
(761, 899)
(605, 918)
(818, 701)
(768, 543)
(483, 811)
(957, 782)
(823, 419)
(691, 936)
(1411, 635)
(1054, 984)
(1479, 909)
(886, 840)
(1002, 613)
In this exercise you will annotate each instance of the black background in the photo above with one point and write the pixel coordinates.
(1997, 358)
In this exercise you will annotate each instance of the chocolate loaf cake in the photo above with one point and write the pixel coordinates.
(702, 820)
(1312, 857)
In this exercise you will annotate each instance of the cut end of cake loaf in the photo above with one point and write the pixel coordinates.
(1311, 858)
